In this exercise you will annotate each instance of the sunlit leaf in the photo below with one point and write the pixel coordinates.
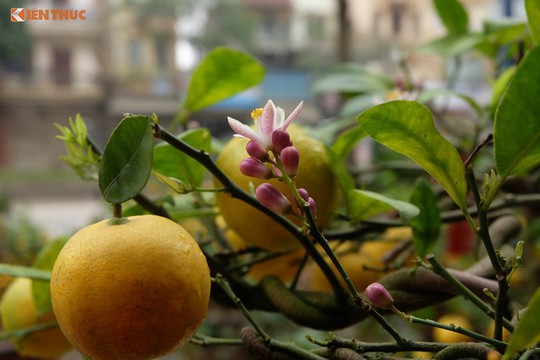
(500, 84)
(127, 160)
(221, 74)
(352, 78)
(357, 104)
(516, 135)
(427, 225)
(45, 261)
(453, 15)
(407, 127)
(366, 204)
(171, 162)
(533, 16)
(431, 94)
(527, 331)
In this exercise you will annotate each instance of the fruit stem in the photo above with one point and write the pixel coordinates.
(117, 218)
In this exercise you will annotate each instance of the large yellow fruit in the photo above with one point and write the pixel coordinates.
(137, 290)
(314, 175)
(18, 311)
(446, 336)
(365, 264)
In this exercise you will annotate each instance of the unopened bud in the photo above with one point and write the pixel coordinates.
(255, 150)
(280, 140)
(304, 194)
(379, 296)
(272, 198)
(290, 158)
(254, 168)
(313, 206)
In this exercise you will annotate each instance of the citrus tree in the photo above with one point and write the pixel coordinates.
(278, 220)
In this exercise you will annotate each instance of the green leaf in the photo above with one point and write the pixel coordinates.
(366, 204)
(499, 85)
(45, 261)
(527, 331)
(407, 127)
(454, 45)
(431, 94)
(505, 31)
(127, 160)
(26, 271)
(357, 104)
(347, 140)
(453, 15)
(342, 175)
(533, 15)
(352, 78)
(173, 163)
(427, 225)
(516, 135)
(223, 73)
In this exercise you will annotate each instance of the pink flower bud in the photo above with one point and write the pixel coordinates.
(254, 168)
(290, 158)
(379, 296)
(313, 206)
(280, 140)
(255, 150)
(269, 196)
(304, 194)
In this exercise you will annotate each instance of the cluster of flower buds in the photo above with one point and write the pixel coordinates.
(271, 153)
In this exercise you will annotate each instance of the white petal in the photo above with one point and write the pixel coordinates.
(293, 115)
(267, 119)
(243, 130)
(279, 118)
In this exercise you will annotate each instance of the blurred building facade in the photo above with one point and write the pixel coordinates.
(121, 59)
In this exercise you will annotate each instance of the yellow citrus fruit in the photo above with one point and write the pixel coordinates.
(18, 311)
(314, 175)
(284, 266)
(446, 336)
(135, 290)
(366, 263)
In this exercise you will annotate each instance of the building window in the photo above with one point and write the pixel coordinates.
(61, 66)
(396, 11)
(134, 54)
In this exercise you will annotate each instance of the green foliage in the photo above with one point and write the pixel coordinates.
(427, 225)
(453, 15)
(14, 41)
(352, 78)
(45, 261)
(516, 134)
(127, 160)
(347, 140)
(407, 128)
(533, 15)
(25, 271)
(343, 177)
(527, 331)
(175, 164)
(223, 73)
(454, 44)
(80, 153)
(366, 204)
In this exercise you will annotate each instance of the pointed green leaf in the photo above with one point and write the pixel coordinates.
(26, 271)
(407, 127)
(527, 331)
(45, 261)
(453, 15)
(223, 73)
(127, 160)
(366, 204)
(427, 225)
(454, 45)
(533, 16)
(173, 163)
(516, 135)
